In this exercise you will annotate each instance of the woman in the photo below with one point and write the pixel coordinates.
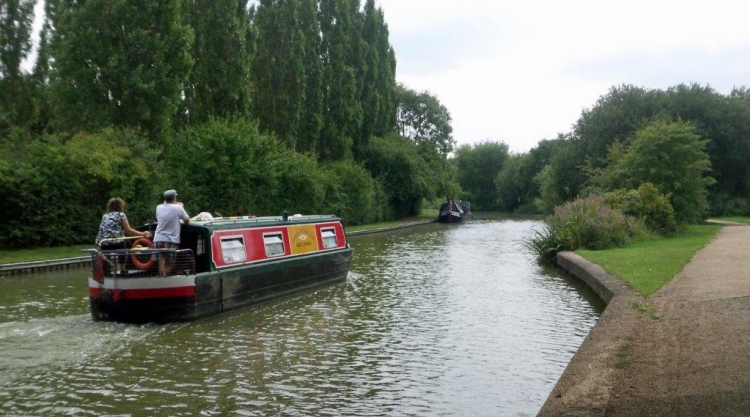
(113, 228)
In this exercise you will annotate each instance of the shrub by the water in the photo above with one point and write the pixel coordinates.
(588, 223)
(647, 204)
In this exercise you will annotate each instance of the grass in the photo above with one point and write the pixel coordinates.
(648, 265)
(42, 254)
(736, 219)
(623, 353)
(647, 309)
(45, 254)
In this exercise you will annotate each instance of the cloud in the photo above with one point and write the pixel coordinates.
(523, 71)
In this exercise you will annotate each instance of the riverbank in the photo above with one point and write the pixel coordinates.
(684, 350)
(14, 268)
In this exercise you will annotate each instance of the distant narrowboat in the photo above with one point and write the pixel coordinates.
(221, 264)
(454, 211)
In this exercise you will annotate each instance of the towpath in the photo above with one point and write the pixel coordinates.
(683, 351)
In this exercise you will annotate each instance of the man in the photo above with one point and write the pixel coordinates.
(167, 235)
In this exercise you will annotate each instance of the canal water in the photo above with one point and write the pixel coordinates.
(432, 320)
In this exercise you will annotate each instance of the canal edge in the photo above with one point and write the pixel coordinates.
(390, 228)
(586, 383)
(43, 266)
(84, 261)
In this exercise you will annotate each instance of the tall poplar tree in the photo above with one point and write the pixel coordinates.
(278, 72)
(379, 77)
(220, 78)
(312, 112)
(120, 62)
(16, 18)
(341, 110)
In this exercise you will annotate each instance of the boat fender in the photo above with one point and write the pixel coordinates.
(142, 242)
(99, 268)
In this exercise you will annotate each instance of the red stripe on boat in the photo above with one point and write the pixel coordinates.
(141, 293)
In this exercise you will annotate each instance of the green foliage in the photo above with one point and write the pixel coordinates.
(478, 165)
(647, 204)
(16, 18)
(56, 192)
(722, 120)
(404, 175)
(342, 112)
(353, 195)
(230, 168)
(421, 118)
(226, 167)
(671, 156)
(278, 71)
(379, 88)
(219, 82)
(119, 63)
(587, 223)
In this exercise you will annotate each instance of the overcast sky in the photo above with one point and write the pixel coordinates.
(522, 71)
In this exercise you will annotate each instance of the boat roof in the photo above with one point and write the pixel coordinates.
(244, 222)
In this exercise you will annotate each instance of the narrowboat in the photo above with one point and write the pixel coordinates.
(222, 264)
(454, 211)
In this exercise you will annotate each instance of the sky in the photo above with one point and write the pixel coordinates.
(521, 71)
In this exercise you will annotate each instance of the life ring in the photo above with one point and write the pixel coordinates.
(141, 242)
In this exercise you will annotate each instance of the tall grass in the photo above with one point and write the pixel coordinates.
(584, 223)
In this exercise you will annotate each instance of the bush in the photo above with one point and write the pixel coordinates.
(55, 189)
(353, 195)
(587, 223)
(647, 204)
(405, 176)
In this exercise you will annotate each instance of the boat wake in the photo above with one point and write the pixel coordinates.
(60, 341)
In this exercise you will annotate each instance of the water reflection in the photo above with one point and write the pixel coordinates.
(436, 320)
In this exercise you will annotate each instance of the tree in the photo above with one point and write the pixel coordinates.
(396, 163)
(672, 156)
(16, 18)
(278, 72)
(311, 122)
(218, 85)
(478, 166)
(379, 78)
(342, 112)
(120, 62)
(421, 118)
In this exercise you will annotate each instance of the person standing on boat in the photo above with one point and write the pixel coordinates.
(114, 227)
(167, 235)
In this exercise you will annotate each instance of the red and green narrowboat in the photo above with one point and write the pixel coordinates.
(222, 264)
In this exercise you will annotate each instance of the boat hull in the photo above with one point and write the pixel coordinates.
(191, 297)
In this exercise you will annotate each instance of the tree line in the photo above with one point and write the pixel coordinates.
(690, 141)
(244, 107)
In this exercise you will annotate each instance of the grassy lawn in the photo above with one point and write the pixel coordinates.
(733, 219)
(45, 254)
(648, 265)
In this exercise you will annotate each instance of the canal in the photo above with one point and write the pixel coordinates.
(432, 320)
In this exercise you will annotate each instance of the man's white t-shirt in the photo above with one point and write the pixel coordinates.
(168, 217)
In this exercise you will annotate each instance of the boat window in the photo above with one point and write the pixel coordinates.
(274, 244)
(199, 247)
(329, 238)
(233, 249)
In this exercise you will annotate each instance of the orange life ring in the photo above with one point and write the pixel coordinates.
(142, 241)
